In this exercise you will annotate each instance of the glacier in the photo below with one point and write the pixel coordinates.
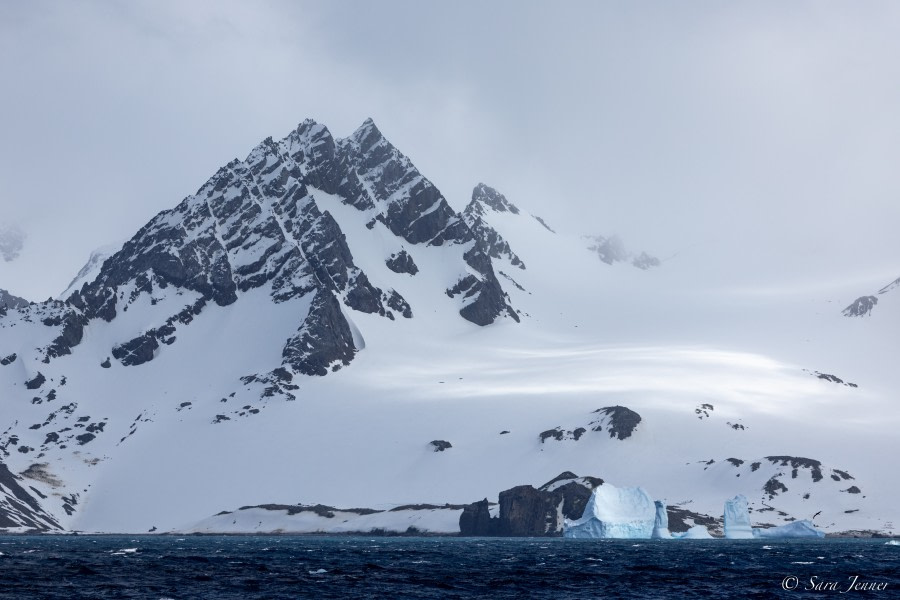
(611, 512)
(737, 519)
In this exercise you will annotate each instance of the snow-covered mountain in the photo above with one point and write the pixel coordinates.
(862, 306)
(317, 327)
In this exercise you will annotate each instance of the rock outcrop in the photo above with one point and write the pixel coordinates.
(528, 511)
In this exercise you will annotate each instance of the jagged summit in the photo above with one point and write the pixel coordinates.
(262, 223)
(484, 196)
(492, 243)
(367, 136)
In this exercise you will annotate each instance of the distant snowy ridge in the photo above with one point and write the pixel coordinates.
(862, 306)
(611, 249)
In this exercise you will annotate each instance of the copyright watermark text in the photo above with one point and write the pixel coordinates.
(853, 583)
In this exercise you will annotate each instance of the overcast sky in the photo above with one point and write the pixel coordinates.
(766, 134)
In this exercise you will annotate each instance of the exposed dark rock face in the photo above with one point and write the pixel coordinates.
(476, 520)
(485, 199)
(543, 223)
(323, 341)
(796, 462)
(396, 302)
(484, 196)
(8, 360)
(680, 520)
(831, 378)
(19, 508)
(620, 421)
(485, 299)
(861, 307)
(526, 511)
(402, 262)
(36, 382)
(8, 301)
(441, 445)
(556, 433)
(837, 475)
(260, 224)
(773, 487)
(73, 323)
(137, 351)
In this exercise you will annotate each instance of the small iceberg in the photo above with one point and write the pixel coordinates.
(797, 529)
(892, 543)
(611, 512)
(697, 532)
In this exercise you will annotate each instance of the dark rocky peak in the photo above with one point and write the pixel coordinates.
(407, 203)
(862, 306)
(484, 196)
(8, 301)
(257, 223)
(310, 142)
(489, 241)
(254, 223)
(367, 136)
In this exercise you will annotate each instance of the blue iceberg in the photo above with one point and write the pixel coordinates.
(661, 522)
(797, 529)
(737, 519)
(611, 512)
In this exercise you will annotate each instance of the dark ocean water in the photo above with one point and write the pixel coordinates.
(156, 567)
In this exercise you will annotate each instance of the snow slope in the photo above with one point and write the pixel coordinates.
(224, 359)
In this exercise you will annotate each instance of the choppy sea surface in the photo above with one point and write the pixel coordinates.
(240, 567)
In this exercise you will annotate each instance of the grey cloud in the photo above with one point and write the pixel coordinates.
(757, 138)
